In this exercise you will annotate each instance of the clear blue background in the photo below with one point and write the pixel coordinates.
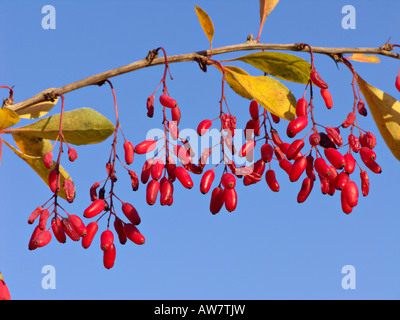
(271, 247)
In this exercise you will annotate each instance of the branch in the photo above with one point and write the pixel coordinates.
(153, 60)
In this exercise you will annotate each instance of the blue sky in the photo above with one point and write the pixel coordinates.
(271, 247)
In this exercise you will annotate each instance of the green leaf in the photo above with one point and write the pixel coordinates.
(38, 110)
(268, 92)
(281, 65)
(206, 23)
(8, 118)
(80, 127)
(386, 113)
(37, 164)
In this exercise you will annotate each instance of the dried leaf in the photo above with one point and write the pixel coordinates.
(360, 57)
(266, 6)
(40, 109)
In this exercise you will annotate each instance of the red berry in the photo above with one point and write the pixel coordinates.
(326, 95)
(305, 190)
(334, 135)
(286, 165)
(314, 139)
(296, 125)
(317, 80)
(69, 189)
(78, 225)
(173, 129)
(166, 191)
(106, 239)
(367, 154)
(203, 127)
(275, 118)
(349, 163)
(4, 291)
(361, 108)
(109, 256)
(271, 180)
(69, 229)
(44, 216)
(253, 109)
(48, 160)
(301, 107)
(131, 213)
(294, 149)
(184, 178)
(206, 181)
(152, 192)
(230, 197)
(351, 193)
(167, 101)
(342, 180)
(397, 83)
(182, 154)
(43, 238)
(310, 167)
(133, 234)
(145, 146)
(335, 158)
(54, 183)
(346, 208)
(119, 229)
(364, 183)
(373, 166)
(351, 117)
(35, 214)
(267, 152)
(129, 152)
(354, 143)
(150, 106)
(35, 233)
(134, 180)
(58, 230)
(92, 229)
(275, 137)
(217, 200)
(72, 154)
(94, 209)
(146, 171)
(176, 115)
(322, 167)
(157, 169)
(297, 169)
(247, 148)
(228, 180)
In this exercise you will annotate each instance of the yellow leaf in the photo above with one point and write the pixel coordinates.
(37, 164)
(269, 92)
(40, 109)
(8, 118)
(206, 23)
(266, 6)
(360, 57)
(386, 113)
(32, 145)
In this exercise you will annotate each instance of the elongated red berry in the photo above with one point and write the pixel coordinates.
(129, 152)
(296, 125)
(286, 165)
(367, 154)
(351, 193)
(305, 190)
(368, 140)
(167, 101)
(157, 169)
(397, 83)
(272, 183)
(95, 208)
(361, 108)
(134, 180)
(48, 160)
(228, 180)
(230, 197)
(334, 135)
(145, 146)
(106, 239)
(206, 181)
(58, 230)
(134, 234)
(267, 151)
(349, 163)
(69, 229)
(184, 178)
(297, 169)
(131, 213)
(247, 148)
(92, 229)
(364, 183)
(301, 107)
(43, 238)
(119, 229)
(322, 167)
(109, 257)
(335, 158)
(275, 137)
(354, 143)
(69, 189)
(373, 166)
(44, 216)
(317, 80)
(173, 129)
(72, 154)
(93, 191)
(203, 127)
(346, 208)
(153, 187)
(146, 171)
(54, 183)
(150, 106)
(351, 117)
(78, 225)
(294, 149)
(182, 154)
(31, 244)
(217, 200)
(325, 184)
(326, 95)
(35, 214)
(310, 167)
(342, 180)
(176, 115)
(253, 109)
(166, 191)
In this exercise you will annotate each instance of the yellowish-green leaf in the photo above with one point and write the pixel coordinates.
(206, 23)
(281, 65)
(360, 57)
(386, 112)
(8, 118)
(266, 6)
(80, 127)
(40, 109)
(269, 92)
(32, 145)
(37, 164)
